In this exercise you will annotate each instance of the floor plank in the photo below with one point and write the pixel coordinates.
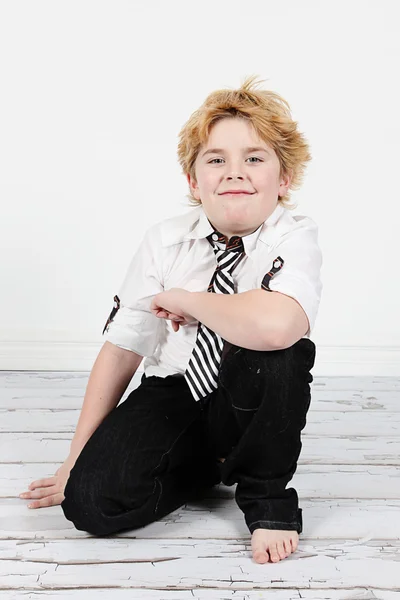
(322, 399)
(213, 564)
(345, 450)
(218, 517)
(202, 594)
(311, 481)
(325, 423)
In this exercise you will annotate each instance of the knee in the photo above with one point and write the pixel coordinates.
(98, 512)
(273, 363)
(81, 507)
(248, 376)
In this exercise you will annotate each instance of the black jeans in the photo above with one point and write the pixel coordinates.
(159, 448)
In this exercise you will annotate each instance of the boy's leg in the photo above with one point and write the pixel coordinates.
(147, 458)
(256, 418)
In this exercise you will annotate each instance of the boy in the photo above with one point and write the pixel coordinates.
(221, 301)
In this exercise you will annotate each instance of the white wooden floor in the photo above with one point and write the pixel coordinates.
(348, 481)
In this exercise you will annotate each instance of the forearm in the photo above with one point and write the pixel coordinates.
(110, 376)
(237, 318)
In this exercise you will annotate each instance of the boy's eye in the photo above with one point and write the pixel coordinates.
(211, 161)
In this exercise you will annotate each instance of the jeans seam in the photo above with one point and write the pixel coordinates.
(164, 454)
(172, 445)
(160, 494)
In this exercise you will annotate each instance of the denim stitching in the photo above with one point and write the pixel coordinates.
(274, 522)
(159, 496)
(167, 452)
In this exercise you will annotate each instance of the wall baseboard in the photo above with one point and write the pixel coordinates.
(80, 356)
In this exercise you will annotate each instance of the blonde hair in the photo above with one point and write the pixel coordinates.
(270, 116)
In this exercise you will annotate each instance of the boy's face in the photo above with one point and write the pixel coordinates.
(234, 167)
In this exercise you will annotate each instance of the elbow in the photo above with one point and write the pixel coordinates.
(280, 337)
(274, 340)
(286, 339)
(281, 342)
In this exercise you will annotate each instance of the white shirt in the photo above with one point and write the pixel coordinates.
(175, 253)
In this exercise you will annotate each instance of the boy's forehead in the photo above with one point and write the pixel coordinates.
(241, 146)
(241, 142)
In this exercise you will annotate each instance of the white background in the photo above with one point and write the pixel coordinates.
(93, 96)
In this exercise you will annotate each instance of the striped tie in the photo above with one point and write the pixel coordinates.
(202, 371)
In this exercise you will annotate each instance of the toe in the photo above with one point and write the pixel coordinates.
(288, 546)
(281, 550)
(260, 556)
(274, 553)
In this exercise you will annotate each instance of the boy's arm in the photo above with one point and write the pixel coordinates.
(110, 376)
(249, 319)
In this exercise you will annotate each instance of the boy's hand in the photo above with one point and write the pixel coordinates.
(171, 305)
(50, 491)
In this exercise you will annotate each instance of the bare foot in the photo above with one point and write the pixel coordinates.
(278, 542)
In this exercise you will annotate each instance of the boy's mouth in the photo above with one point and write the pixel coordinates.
(237, 193)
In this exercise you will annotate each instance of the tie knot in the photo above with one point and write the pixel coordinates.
(234, 244)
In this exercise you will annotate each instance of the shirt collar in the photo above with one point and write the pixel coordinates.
(266, 232)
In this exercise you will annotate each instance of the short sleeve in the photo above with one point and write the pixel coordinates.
(300, 275)
(131, 324)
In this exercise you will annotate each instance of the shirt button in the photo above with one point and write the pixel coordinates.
(215, 237)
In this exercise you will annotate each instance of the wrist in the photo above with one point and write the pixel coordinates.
(189, 304)
(76, 447)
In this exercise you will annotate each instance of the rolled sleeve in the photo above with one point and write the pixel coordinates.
(133, 326)
(300, 276)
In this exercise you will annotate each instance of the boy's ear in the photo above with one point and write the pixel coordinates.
(285, 182)
(192, 184)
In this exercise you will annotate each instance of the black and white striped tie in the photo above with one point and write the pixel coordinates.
(202, 371)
